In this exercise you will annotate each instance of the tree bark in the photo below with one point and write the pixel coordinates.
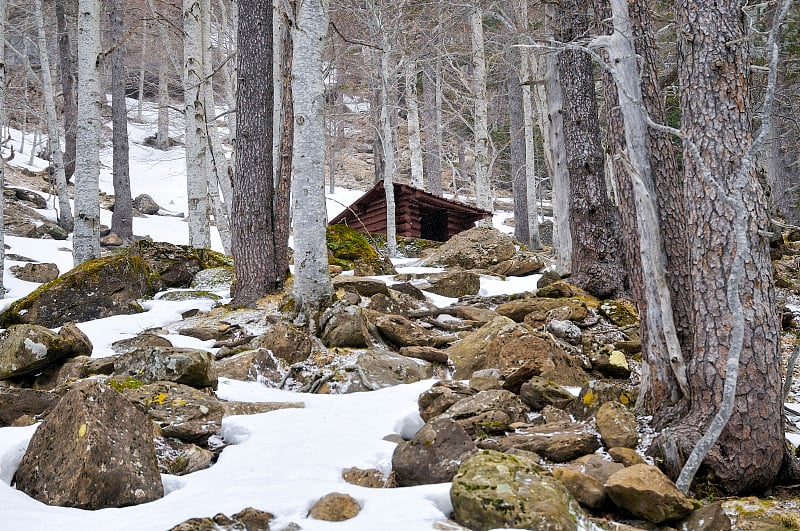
(86, 239)
(283, 175)
(253, 233)
(483, 189)
(535, 241)
(516, 121)
(68, 68)
(122, 217)
(162, 133)
(3, 7)
(594, 222)
(312, 284)
(432, 114)
(414, 137)
(730, 268)
(65, 219)
(387, 143)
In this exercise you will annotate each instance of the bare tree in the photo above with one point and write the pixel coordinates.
(3, 7)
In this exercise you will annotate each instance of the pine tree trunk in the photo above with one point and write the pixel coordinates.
(483, 189)
(312, 284)
(68, 68)
(283, 175)
(252, 213)
(86, 239)
(733, 312)
(194, 116)
(122, 217)
(414, 137)
(594, 222)
(65, 219)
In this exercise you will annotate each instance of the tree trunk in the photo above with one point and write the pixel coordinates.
(65, 219)
(414, 137)
(594, 222)
(312, 284)
(253, 227)
(122, 217)
(516, 121)
(162, 133)
(283, 175)
(535, 241)
(733, 310)
(68, 67)
(388, 145)
(86, 240)
(3, 6)
(432, 114)
(483, 189)
(142, 72)
(194, 114)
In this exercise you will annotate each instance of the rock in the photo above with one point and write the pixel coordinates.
(566, 330)
(36, 200)
(621, 312)
(175, 266)
(143, 340)
(518, 309)
(16, 403)
(403, 332)
(645, 492)
(40, 273)
(186, 366)
(488, 412)
(477, 248)
(454, 284)
(429, 354)
(441, 397)
(587, 490)
(98, 288)
(345, 245)
(558, 442)
(145, 204)
(335, 507)
(607, 361)
(286, 341)
(595, 393)
(93, 451)
(214, 279)
(710, 517)
(495, 490)
(371, 478)
(519, 266)
(617, 426)
(345, 327)
(385, 369)
(539, 392)
(111, 240)
(251, 366)
(248, 519)
(433, 455)
(486, 379)
(366, 287)
(26, 349)
(626, 456)
(598, 468)
(470, 353)
(183, 412)
(368, 267)
(255, 408)
(179, 459)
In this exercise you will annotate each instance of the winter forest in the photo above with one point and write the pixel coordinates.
(567, 298)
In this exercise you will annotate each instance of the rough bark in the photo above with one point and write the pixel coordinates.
(483, 189)
(414, 136)
(86, 239)
(597, 264)
(432, 115)
(3, 6)
(516, 121)
(65, 219)
(530, 150)
(312, 284)
(122, 217)
(283, 175)
(252, 218)
(68, 68)
(731, 273)
(162, 133)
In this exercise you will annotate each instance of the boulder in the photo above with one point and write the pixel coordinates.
(519, 309)
(595, 393)
(371, 478)
(94, 450)
(557, 442)
(476, 248)
(345, 326)
(433, 455)
(34, 272)
(14, 403)
(27, 348)
(403, 332)
(617, 426)
(470, 353)
(454, 284)
(335, 507)
(645, 492)
(495, 490)
(186, 366)
(540, 392)
(488, 412)
(256, 365)
(345, 245)
(145, 204)
(366, 287)
(440, 397)
(377, 369)
(103, 287)
(178, 458)
(587, 490)
(183, 412)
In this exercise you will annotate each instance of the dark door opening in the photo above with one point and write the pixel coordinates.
(433, 225)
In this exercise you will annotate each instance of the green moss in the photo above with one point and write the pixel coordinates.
(345, 243)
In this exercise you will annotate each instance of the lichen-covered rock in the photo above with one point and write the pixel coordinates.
(558, 442)
(335, 507)
(540, 392)
(469, 354)
(183, 412)
(345, 245)
(433, 455)
(617, 426)
(103, 287)
(40, 273)
(94, 450)
(645, 492)
(587, 490)
(454, 284)
(476, 248)
(27, 348)
(488, 412)
(186, 366)
(403, 332)
(440, 397)
(286, 341)
(495, 490)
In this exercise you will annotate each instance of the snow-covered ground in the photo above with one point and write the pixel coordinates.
(280, 462)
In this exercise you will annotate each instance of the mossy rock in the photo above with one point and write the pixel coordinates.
(620, 312)
(346, 245)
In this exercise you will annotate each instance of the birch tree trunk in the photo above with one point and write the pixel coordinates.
(194, 116)
(67, 66)
(432, 114)
(86, 239)
(312, 285)
(530, 151)
(162, 140)
(414, 136)
(122, 217)
(3, 7)
(516, 124)
(142, 72)
(388, 145)
(483, 191)
(65, 219)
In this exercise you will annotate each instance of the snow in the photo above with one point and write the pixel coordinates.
(280, 462)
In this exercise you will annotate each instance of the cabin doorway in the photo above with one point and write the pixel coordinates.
(433, 224)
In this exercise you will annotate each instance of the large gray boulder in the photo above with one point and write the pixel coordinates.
(186, 366)
(433, 455)
(440, 397)
(94, 450)
(345, 326)
(27, 349)
(496, 490)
